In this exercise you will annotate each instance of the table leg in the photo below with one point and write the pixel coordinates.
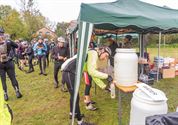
(120, 107)
(95, 89)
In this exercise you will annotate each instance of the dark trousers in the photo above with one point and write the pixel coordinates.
(16, 59)
(30, 59)
(69, 79)
(8, 68)
(57, 67)
(88, 86)
(47, 59)
(42, 63)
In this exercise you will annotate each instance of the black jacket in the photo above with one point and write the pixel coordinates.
(29, 51)
(11, 49)
(11, 45)
(113, 48)
(57, 51)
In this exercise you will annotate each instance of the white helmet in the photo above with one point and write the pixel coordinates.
(61, 39)
(46, 40)
(24, 43)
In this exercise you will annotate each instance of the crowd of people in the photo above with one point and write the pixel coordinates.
(39, 50)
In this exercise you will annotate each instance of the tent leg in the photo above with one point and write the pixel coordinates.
(141, 49)
(85, 32)
(119, 107)
(142, 52)
(95, 89)
(158, 56)
(164, 40)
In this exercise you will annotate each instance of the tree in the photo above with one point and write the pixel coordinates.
(11, 21)
(25, 23)
(61, 29)
(32, 17)
(14, 25)
(4, 11)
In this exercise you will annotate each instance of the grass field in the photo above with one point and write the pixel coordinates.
(43, 105)
(164, 52)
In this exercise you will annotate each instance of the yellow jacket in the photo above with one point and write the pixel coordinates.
(93, 65)
(5, 116)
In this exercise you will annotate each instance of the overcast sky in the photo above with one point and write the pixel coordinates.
(66, 10)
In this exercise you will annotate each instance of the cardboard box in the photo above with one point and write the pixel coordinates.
(176, 72)
(168, 73)
(142, 61)
(176, 67)
(166, 64)
(172, 64)
(176, 60)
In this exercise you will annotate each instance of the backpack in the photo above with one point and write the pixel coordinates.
(3, 52)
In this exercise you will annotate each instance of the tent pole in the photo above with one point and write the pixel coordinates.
(141, 51)
(116, 37)
(164, 40)
(139, 42)
(98, 42)
(70, 45)
(85, 32)
(142, 46)
(158, 56)
(73, 45)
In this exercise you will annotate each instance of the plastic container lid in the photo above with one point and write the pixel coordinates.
(158, 58)
(118, 50)
(143, 96)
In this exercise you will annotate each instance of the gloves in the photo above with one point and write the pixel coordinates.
(109, 79)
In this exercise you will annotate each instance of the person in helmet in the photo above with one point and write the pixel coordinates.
(7, 65)
(127, 42)
(59, 54)
(68, 69)
(40, 49)
(97, 61)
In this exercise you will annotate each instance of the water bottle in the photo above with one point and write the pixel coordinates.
(113, 93)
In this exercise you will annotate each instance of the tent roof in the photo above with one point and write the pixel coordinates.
(140, 16)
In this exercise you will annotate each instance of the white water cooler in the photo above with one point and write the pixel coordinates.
(143, 105)
(126, 67)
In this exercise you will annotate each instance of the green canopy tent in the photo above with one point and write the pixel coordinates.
(141, 17)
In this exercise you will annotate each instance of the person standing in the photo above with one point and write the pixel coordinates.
(21, 54)
(93, 43)
(7, 65)
(40, 50)
(30, 54)
(68, 76)
(59, 54)
(97, 61)
(35, 59)
(113, 46)
(127, 42)
(48, 50)
(51, 45)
